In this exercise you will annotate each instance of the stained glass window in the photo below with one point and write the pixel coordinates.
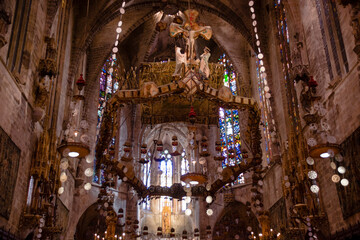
(229, 122)
(284, 40)
(109, 84)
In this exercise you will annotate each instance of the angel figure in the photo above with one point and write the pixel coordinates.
(204, 63)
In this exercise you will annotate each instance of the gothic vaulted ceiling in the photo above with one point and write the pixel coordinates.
(96, 22)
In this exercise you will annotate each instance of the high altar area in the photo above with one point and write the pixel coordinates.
(179, 119)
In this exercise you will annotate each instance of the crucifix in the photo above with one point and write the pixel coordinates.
(190, 30)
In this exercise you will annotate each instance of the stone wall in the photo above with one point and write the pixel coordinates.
(18, 92)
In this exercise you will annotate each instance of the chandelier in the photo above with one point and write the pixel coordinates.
(198, 181)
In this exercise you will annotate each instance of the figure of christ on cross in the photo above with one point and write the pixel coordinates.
(190, 30)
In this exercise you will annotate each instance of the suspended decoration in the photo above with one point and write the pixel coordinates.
(324, 146)
(264, 95)
(75, 144)
(196, 181)
(76, 141)
(109, 84)
(143, 154)
(175, 144)
(196, 174)
(127, 157)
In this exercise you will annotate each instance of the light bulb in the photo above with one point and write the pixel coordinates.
(314, 188)
(209, 199)
(73, 154)
(194, 182)
(312, 174)
(310, 161)
(87, 186)
(89, 172)
(61, 190)
(89, 159)
(63, 177)
(344, 182)
(341, 170)
(188, 212)
(325, 155)
(209, 212)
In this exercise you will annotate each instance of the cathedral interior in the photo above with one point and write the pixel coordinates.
(179, 119)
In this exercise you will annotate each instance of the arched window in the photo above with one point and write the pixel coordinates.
(229, 122)
(166, 177)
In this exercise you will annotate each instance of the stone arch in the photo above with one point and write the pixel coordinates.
(234, 220)
(90, 223)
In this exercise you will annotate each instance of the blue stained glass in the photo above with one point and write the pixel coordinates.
(229, 122)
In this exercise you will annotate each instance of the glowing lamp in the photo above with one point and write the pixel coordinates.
(325, 155)
(73, 154)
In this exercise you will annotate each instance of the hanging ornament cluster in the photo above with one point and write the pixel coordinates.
(40, 227)
(105, 201)
(257, 191)
(172, 232)
(115, 49)
(324, 145)
(209, 200)
(192, 115)
(218, 157)
(127, 156)
(159, 149)
(159, 231)
(143, 154)
(336, 163)
(310, 230)
(145, 231)
(75, 144)
(196, 232)
(208, 231)
(175, 144)
(184, 235)
(204, 147)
